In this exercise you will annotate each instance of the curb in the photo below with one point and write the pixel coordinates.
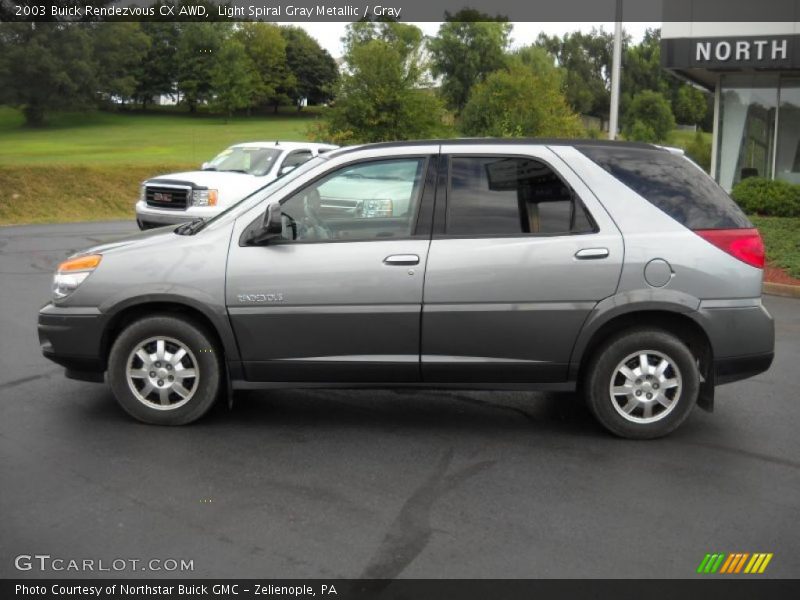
(782, 289)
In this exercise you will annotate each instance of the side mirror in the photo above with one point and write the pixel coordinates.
(271, 227)
(272, 219)
(286, 170)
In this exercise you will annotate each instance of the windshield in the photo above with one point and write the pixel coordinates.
(268, 190)
(254, 160)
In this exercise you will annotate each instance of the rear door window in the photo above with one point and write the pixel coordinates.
(671, 183)
(498, 195)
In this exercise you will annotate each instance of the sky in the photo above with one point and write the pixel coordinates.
(523, 34)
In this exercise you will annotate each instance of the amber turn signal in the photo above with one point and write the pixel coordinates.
(81, 263)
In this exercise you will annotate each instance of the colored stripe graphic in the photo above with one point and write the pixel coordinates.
(725, 567)
(741, 562)
(717, 563)
(734, 563)
(703, 563)
(764, 564)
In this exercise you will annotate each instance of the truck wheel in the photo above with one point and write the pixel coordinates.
(642, 383)
(165, 370)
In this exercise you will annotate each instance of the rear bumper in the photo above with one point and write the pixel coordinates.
(73, 338)
(728, 370)
(742, 336)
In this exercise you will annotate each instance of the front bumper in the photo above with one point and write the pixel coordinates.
(73, 338)
(149, 215)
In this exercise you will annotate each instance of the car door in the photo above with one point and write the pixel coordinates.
(339, 298)
(521, 253)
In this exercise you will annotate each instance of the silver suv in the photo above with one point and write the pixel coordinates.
(618, 270)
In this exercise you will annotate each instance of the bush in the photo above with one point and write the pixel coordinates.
(773, 198)
(648, 118)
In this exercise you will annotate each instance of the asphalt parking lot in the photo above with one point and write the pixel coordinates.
(381, 484)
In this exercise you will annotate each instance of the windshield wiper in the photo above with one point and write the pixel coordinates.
(191, 227)
(209, 168)
(235, 170)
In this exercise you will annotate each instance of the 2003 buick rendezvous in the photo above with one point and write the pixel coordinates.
(617, 269)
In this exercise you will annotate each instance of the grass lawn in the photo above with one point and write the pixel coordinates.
(782, 240)
(682, 138)
(83, 167)
(137, 138)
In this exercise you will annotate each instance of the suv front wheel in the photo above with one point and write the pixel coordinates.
(164, 370)
(642, 383)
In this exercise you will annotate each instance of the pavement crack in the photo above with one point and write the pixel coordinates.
(22, 380)
(411, 529)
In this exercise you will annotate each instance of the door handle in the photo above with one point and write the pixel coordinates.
(591, 253)
(401, 259)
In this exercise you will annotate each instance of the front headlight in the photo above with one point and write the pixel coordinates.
(73, 272)
(204, 197)
(376, 208)
(142, 193)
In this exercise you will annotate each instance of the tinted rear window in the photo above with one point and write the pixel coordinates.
(673, 184)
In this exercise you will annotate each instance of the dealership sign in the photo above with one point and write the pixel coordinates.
(741, 50)
(765, 52)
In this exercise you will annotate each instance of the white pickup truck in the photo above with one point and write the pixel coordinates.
(233, 174)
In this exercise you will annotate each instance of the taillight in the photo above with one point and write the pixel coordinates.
(744, 244)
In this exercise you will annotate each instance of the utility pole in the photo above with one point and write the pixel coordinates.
(616, 65)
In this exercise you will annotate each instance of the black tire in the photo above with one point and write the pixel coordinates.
(200, 349)
(608, 410)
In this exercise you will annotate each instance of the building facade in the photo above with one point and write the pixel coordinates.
(753, 70)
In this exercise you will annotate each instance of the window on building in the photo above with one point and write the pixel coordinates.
(787, 163)
(748, 107)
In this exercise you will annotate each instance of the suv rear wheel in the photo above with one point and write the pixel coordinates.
(642, 384)
(164, 370)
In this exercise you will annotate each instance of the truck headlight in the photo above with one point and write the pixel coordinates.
(204, 197)
(142, 193)
(73, 272)
(376, 208)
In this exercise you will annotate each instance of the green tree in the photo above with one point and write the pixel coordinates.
(468, 46)
(267, 49)
(406, 40)
(518, 101)
(197, 45)
(45, 67)
(383, 94)
(690, 105)
(641, 70)
(157, 73)
(120, 48)
(649, 118)
(233, 78)
(314, 70)
(586, 60)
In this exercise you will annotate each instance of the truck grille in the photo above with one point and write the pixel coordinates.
(160, 196)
